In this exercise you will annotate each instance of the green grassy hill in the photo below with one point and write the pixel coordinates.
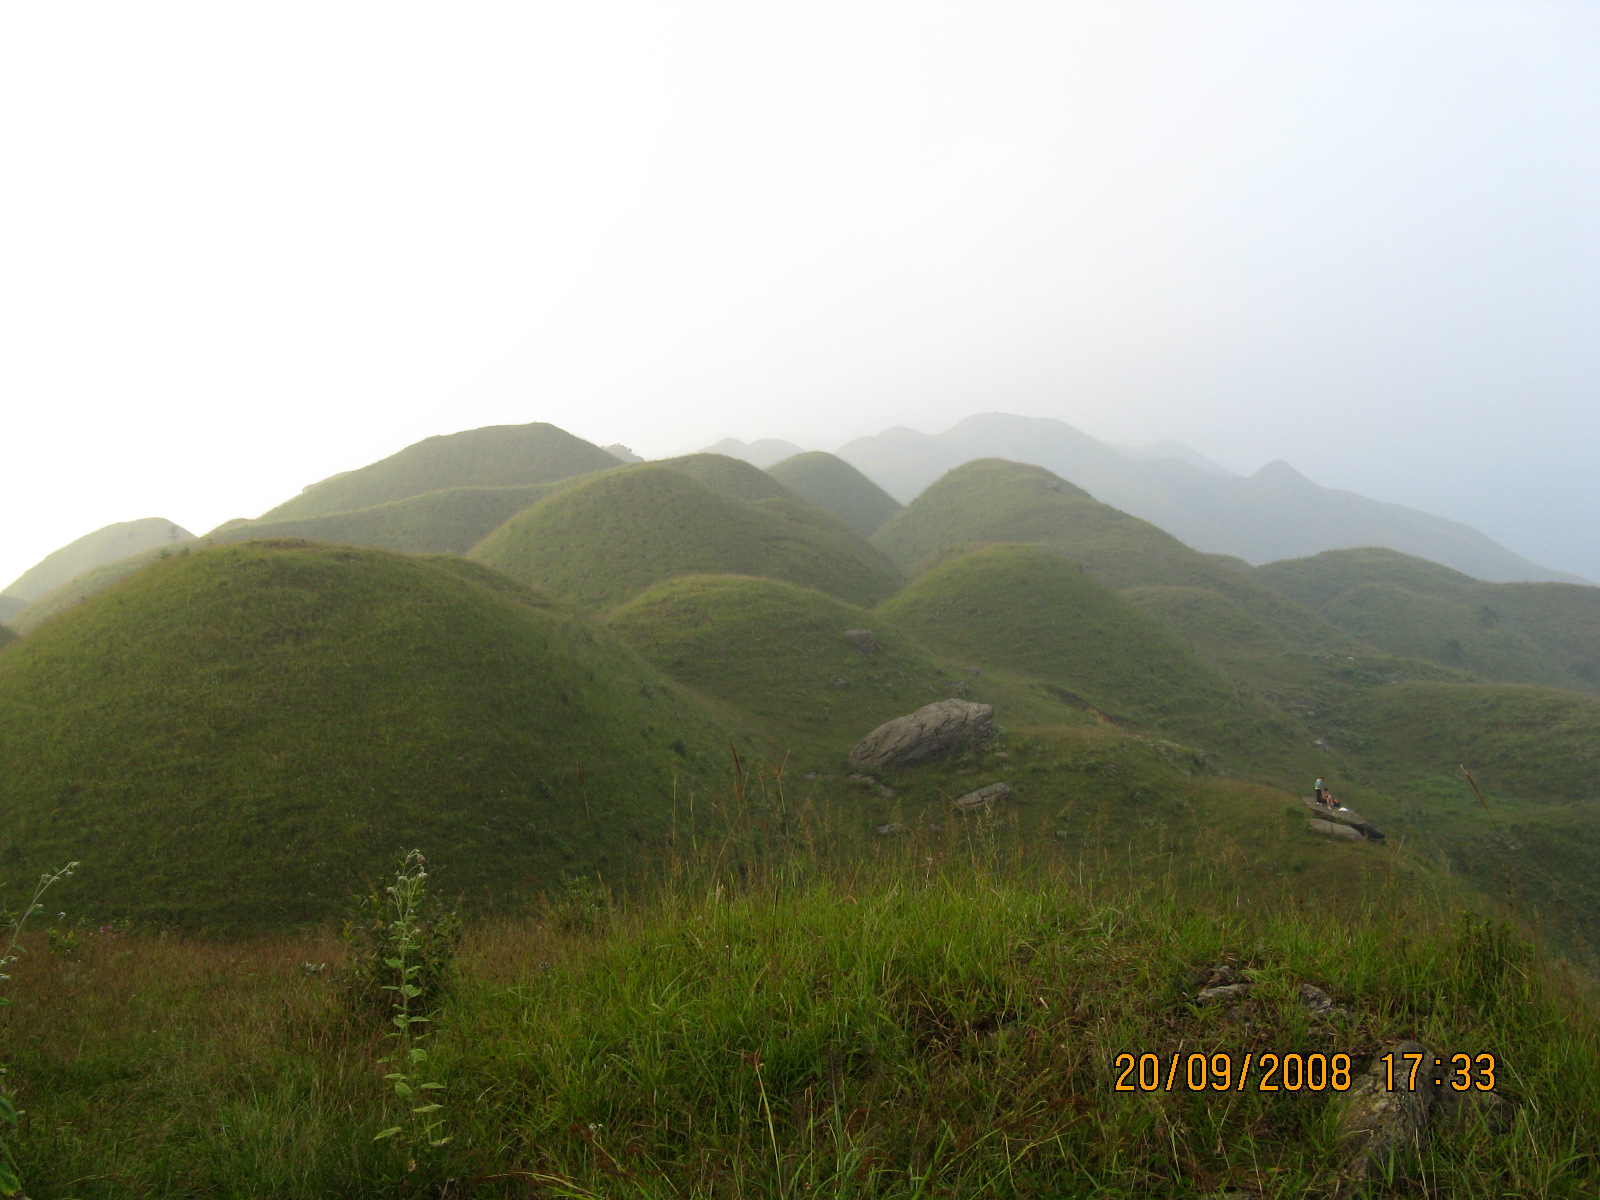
(1545, 633)
(239, 735)
(93, 550)
(7, 635)
(493, 457)
(775, 654)
(454, 520)
(831, 483)
(90, 583)
(604, 540)
(1035, 612)
(992, 500)
(449, 521)
(730, 477)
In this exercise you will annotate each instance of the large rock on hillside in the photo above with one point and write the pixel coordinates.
(1351, 824)
(930, 730)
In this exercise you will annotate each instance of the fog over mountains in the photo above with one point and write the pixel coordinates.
(1276, 513)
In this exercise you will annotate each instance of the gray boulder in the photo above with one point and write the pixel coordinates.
(984, 796)
(932, 729)
(1346, 817)
(1335, 830)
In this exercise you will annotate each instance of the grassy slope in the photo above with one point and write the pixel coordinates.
(1039, 614)
(90, 583)
(1535, 753)
(449, 521)
(7, 635)
(239, 735)
(927, 1024)
(774, 653)
(997, 501)
(831, 483)
(1513, 632)
(495, 456)
(732, 477)
(1303, 666)
(93, 550)
(603, 541)
(454, 520)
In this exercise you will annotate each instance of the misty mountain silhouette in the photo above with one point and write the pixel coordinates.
(92, 550)
(1274, 514)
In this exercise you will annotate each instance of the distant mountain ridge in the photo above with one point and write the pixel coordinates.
(1274, 514)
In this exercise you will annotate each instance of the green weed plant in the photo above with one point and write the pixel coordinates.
(407, 897)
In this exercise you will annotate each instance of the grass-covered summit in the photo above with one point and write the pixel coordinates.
(494, 456)
(604, 540)
(831, 483)
(1209, 600)
(239, 735)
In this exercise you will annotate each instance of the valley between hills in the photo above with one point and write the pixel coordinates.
(715, 943)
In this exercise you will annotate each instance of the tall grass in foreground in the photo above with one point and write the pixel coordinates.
(10, 1116)
(770, 1019)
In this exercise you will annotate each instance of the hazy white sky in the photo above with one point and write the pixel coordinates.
(243, 247)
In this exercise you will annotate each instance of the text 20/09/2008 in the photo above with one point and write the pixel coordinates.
(1293, 1072)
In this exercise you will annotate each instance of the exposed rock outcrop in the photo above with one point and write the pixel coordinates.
(1376, 1125)
(1363, 829)
(1380, 1129)
(991, 794)
(932, 729)
(1334, 830)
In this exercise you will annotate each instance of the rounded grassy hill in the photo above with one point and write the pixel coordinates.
(777, 653)
(992, 500)
(1040, 615)
(829, 482)
(93, 550)
(731, 477)
(493, 457)
(448, 521)
(602, 541)
(242, 735)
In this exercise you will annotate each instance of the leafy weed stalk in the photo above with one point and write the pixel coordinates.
(422, 1118)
